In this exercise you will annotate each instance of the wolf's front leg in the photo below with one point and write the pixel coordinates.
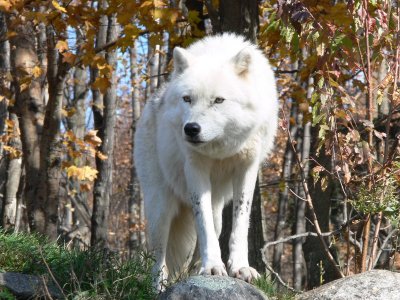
(199, 188)
(243, 188)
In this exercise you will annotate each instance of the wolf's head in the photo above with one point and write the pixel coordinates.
(214, 100)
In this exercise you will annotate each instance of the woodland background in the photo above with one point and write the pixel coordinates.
(75, 74)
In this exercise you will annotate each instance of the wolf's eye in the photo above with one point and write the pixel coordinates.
(187, 99)
(219, 100)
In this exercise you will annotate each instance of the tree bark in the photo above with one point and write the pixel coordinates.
(103, 183)
(77, 124)
(284, 195)
(4, 87)
(101, 40)
(14, 170)
(300, 226)
(319, 268)
(242, 17)
(50, 153)
(135, 200)
(30, 111)
(154, 60)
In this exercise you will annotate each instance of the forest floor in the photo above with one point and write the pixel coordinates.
(87, 274)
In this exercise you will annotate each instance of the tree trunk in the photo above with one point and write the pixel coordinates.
(284, 195)
(30, 111)
(14, 170)
(101, 40)
(154, 60)
(319, 268)
(4, 87)
(300, 226)
(135, 200)
(242, 17)
(103, 183)
(77, 123)
(50, 153)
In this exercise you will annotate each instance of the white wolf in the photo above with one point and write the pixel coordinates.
(198, 145)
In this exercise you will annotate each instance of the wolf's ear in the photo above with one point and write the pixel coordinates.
(242, 61)
(182, 60)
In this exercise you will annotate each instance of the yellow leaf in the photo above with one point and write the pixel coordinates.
(37, 71)
(68, 112)
(12, 152)
(58, 6)
(5, 5)
(102, 84)
(24, 83)
(159, 3)
(10, 123)
(84, 173)
(88, 173)
(148, 3)
(62, 46)
(92, 138)
(11, 34)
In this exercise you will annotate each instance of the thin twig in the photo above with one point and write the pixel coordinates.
(296, 236)
(385, 241)
(46, 289)
(311, 206)
(297, 196)
(51, 273)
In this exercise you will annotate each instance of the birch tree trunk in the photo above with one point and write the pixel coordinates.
(14, 170)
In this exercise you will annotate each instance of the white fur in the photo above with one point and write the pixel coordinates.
(186, 185)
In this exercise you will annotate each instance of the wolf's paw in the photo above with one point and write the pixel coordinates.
(247, 274)
(215, 270)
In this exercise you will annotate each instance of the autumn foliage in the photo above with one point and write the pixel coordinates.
(74, 76)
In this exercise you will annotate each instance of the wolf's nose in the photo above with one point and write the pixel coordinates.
(192, 129)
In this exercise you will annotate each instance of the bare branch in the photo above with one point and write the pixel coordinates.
(311, 206)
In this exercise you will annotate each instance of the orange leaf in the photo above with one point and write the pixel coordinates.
(85, 187)
(69, 57)
(101, 155)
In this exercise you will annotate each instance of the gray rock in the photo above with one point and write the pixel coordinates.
(212, 287)
(27, 286)
(372, 285)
